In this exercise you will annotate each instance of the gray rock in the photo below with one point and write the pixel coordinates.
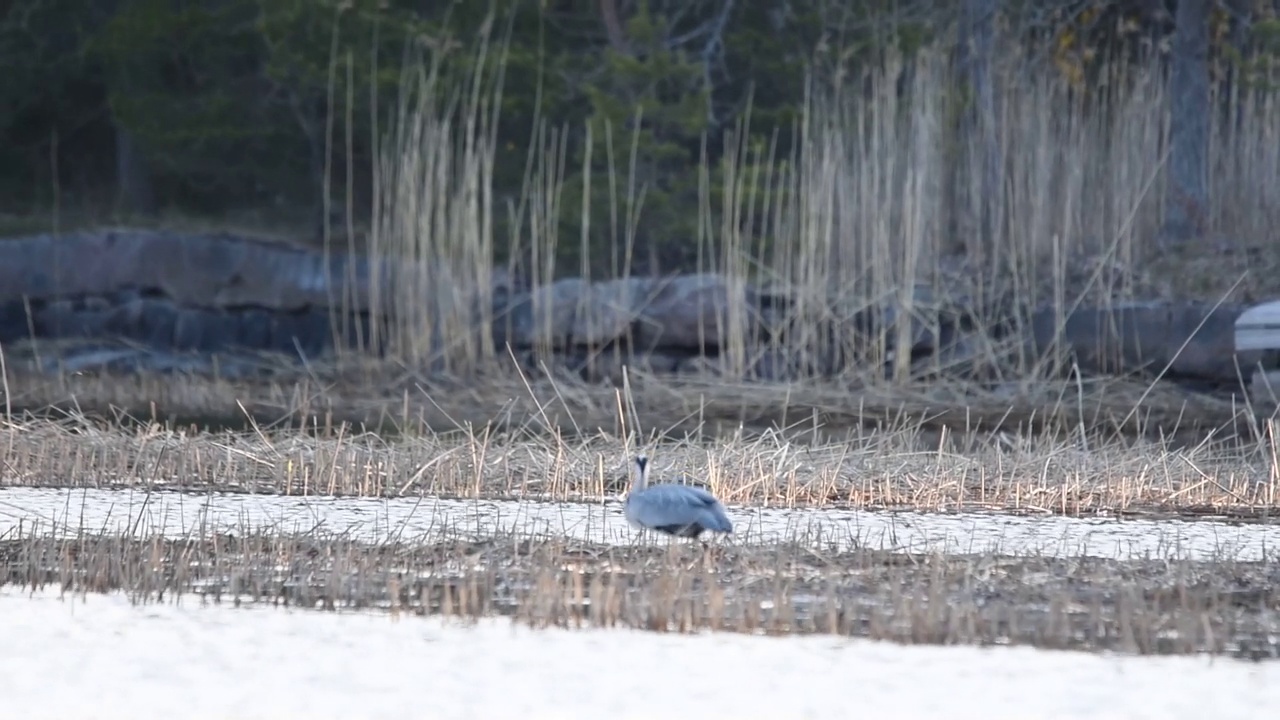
(1264, 388)
(255, 328)
(316, 333)
(1147, 337)
(55, 319)
(197, 270)
(607, 311)
(156, 323)
(188, 329)
(13, 321)
(543, 317)
(691, 312)
(219, 332)
(306, 334)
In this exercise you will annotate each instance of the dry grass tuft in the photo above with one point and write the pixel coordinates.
(1142, 606)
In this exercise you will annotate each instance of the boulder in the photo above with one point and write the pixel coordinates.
(610, 310)
(56, 319)
(932, 320)
(1264, 388)
(254, 329)
(1192, 339)
(214, 271)
(307, 334)
(542, 317)
(571, 312)
(692, 312)
(156, 323)
(844, 336)
(14, 324)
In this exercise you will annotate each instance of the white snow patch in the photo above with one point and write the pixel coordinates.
(99, 656)
(40, 510)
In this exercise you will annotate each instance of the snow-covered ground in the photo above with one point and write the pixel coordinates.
(182, 514)
(101, 657)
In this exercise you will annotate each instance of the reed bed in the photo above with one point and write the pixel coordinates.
(388, 397)
(1136, 605)
(893, 467)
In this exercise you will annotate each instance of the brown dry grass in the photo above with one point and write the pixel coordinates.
(896, 462)
(388, 397)
(1142, 606)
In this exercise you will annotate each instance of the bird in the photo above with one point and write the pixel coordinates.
(682, 511)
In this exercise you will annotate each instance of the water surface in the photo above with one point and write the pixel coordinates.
(182, 514)
(100, 656)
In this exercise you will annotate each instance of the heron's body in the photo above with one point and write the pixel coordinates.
(679, 510)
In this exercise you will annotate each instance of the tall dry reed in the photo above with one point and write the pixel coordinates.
(866, 211)
(431, 240)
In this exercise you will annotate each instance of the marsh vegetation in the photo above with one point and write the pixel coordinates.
(907, 466)
(116, 487)
(1148, 606)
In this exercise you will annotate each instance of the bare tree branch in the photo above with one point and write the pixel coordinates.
(613, 27)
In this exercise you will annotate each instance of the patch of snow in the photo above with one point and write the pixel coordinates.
(184, 514)
(99, 656)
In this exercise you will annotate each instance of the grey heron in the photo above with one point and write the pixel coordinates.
(680, 510)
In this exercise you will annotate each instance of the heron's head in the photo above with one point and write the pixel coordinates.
(641, 479)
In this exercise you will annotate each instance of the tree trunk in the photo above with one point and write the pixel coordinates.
(133, 177)
(613, 26)
(311, 121)
(982, 18)
(1235, 76)
(1186, 198)
(977, 178)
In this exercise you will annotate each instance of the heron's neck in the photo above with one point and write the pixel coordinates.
(641, 477)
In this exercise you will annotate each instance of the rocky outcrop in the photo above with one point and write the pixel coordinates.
(1181, 339)
(181, 299)
(204, 293)
(191, 270)
(162, 323)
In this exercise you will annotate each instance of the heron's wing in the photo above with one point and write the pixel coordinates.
(705, 497)
(671, 504)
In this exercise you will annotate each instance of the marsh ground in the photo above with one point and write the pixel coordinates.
(119, 485)
(1146, 606)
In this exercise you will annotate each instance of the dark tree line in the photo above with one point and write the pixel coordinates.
(201, 106)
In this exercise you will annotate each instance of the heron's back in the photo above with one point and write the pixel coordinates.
(669, 504)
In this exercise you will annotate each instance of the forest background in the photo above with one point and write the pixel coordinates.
(278, 113)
